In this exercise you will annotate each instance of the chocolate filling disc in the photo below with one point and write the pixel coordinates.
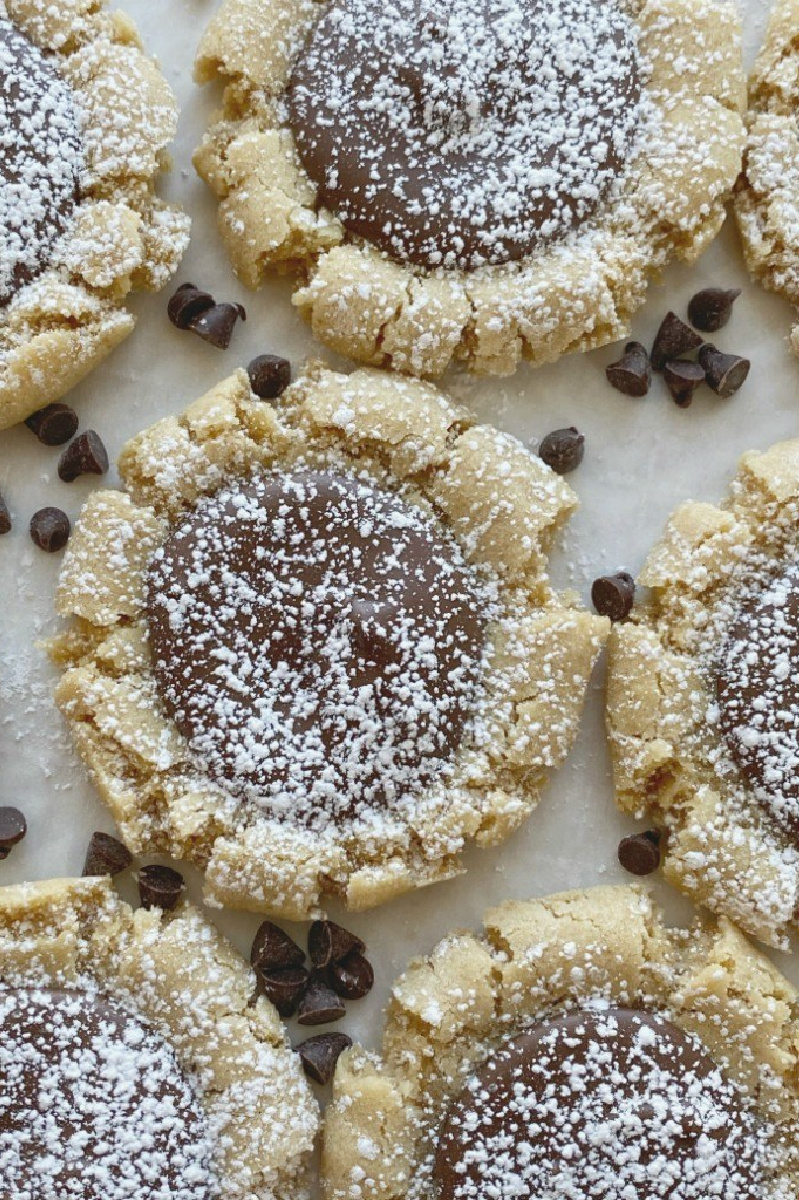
(318, 641)
(461, 132)
(93, 1104)
(613, 1106)
(757, 688)
(40, 160)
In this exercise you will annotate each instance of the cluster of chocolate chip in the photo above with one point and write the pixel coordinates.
(339, 971)
(56, 425)
(708, 311)
(195, 310)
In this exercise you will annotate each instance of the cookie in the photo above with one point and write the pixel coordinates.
(313, 648)
(577, 1047)
(703, 714)
(86, 117)
(134, 1062)
(484, 181)
(767, 195)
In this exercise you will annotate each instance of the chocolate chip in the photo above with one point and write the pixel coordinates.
(711, 309)
(725, 373)
(160, 887)
(13, 828)
(320, 1005)
(683, 377)
(283, 987)
(612, 595)
(320, 1054)
(632, 373)
(216, 324)
(54, 425)
(640, 853)
(353, 978)
(187, 303)
(562, 450)
(85, 456)
(269, 376)
(5, 518)
(50, 529)
(673, 339)
(331, 943)
(106, 855)
(273, 949)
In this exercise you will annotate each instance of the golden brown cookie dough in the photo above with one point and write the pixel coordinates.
(595, 953)
(179, 998)
(710, 773)
(767, 196)
(66, 309)
(492, 502)
(573, 292)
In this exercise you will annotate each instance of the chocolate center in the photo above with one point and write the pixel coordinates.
(40, 160)
(318, 641)
(620, 1105)
(93, 1104)
(461, 132)
(757, 688)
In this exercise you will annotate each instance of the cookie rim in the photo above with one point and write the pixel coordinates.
(531, 959)
(419, 321)
(401, 433)
(658, 693)
(67, 932)
(60, 325)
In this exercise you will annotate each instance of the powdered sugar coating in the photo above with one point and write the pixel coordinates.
(758, 702)
(721, 787)
(695, 1019)
(66, 310)
(318, 641)
(610, 1103)
(477, 488)
(572, 292)
(93, 1102)
(463, 133)
(40, 159)
(249, 1111)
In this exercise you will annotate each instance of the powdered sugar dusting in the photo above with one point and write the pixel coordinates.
(93, 1102)
(465, 132)
(619, 1105)
(40, 159)
(318, 641)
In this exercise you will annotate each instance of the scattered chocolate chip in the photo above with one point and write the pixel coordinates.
(640, 853)
(331, 943)
(563, 450)
(283, 987)
(5, 518)
(725, 373)
(13, 828)
(160, 887)
(319, 1055)
(106, 855)
(50, 529)
(673, 339)
(353, 978)
(273, 949)
(85, 456)
(187, 303)
(683, 377)
(632, 373)
(711, 309)
(269, 375)
(612, 595)
(320, 1005)
(54, 425)
(216, 324)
